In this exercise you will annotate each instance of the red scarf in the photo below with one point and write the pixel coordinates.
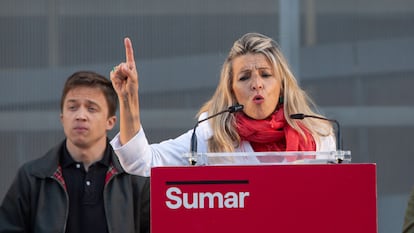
(273, 134)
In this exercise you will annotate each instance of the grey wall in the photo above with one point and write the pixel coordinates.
(356, 61)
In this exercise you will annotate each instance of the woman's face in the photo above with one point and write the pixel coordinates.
(255, 85)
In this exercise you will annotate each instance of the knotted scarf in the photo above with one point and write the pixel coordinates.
(273, 133)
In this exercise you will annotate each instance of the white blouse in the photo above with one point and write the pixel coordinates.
(137, 156)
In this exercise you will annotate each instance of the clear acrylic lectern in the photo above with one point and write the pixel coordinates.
(262, 158)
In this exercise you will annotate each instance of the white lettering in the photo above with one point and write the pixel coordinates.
(188, 205)
(210, 197)
(178, 199)
(232, 201)
(171, 196)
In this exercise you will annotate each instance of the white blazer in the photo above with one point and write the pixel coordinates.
(137, 156)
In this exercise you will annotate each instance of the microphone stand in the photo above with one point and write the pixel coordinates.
(231, 109)
(301, 116)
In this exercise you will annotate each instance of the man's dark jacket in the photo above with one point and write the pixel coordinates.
(37, 201)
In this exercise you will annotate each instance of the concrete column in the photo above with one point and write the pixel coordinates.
(289, 32)
(53, 32)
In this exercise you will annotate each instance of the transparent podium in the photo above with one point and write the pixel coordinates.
(265, 192)
(262, 158)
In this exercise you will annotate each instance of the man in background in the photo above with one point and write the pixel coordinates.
(79, 185)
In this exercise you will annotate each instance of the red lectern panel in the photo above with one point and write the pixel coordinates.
(266, 198)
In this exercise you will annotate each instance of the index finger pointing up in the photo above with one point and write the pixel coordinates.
(129, 52)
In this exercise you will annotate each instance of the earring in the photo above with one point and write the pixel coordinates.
(280, 99)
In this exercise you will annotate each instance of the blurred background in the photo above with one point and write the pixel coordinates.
(355, 58)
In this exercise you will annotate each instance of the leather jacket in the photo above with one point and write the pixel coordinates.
(37, 200)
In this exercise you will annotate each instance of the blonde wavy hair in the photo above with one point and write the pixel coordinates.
(225, 137)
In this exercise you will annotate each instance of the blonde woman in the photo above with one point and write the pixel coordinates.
(255, 75)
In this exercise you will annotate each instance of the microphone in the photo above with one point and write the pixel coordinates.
(231, 109)
(301, 116)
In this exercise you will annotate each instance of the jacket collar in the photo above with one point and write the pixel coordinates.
(47, 165)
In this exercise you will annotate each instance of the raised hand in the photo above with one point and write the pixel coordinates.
(124, 76)
(124, 79)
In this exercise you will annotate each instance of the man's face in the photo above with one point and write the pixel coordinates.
(85, 117)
